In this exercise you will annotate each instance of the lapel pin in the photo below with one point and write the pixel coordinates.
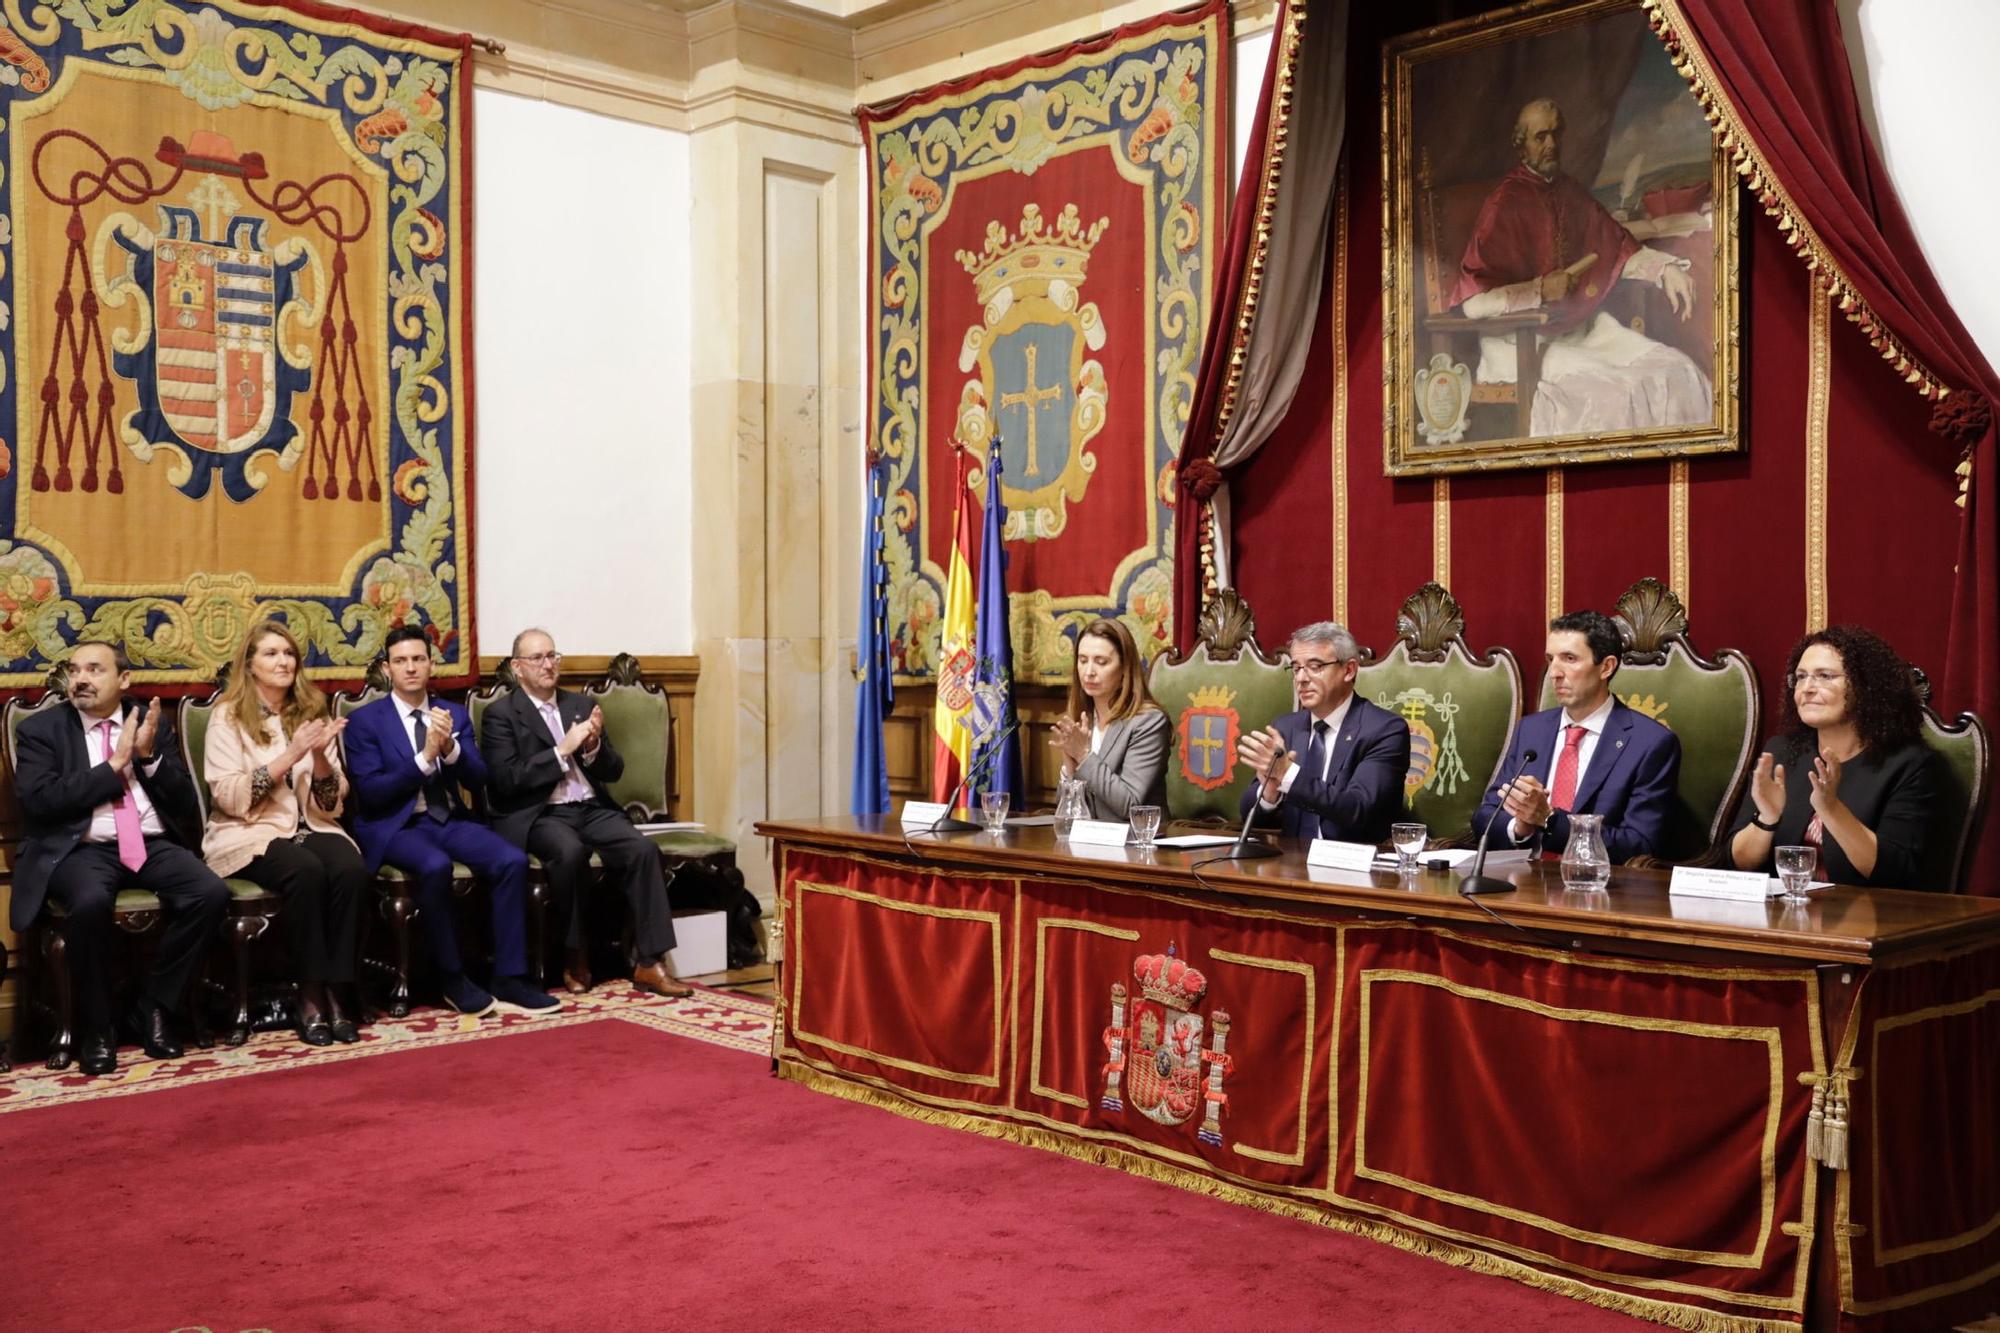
(1619, 746)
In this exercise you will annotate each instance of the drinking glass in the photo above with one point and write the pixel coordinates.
(993, 810)
(1795, 870)
(1145, 823)
(1408, 840)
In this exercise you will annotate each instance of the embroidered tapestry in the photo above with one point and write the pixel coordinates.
(233, 266)
(1041, 238)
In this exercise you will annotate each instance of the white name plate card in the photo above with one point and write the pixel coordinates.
(1743, 886)
(1098, 833)
(1332, 855)
(923, 814)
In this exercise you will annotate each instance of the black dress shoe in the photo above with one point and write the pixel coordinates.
(98, 1056)
(314, 1030)
(156, 1034)
(339, 1020)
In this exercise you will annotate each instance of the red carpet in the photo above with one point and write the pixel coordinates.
(606, 1174)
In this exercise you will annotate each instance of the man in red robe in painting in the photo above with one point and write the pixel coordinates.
(1543, 242)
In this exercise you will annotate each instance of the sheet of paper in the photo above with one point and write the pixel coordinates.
(1184, 841)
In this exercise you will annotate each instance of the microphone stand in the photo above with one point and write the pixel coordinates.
(1245, 848)
(945, 822)
(1479, 881)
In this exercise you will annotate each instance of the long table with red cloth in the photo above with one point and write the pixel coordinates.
(1712, 1114)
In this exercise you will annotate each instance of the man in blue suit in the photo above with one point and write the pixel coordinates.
(1593, 755)
(407, 756)
(1335, 768)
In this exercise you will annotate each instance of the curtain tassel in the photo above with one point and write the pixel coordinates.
(1816, 1125)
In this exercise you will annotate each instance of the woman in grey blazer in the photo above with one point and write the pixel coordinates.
(1112, 734)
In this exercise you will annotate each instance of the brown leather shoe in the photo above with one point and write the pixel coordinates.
(654, 977)
(576, 971)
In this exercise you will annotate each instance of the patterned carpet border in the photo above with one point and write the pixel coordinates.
(720, 1018)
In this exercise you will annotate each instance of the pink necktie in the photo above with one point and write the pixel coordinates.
(125, 816)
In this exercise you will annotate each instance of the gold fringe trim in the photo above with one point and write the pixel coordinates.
(1819, 391)
(1119, 1159)
(1287, 56)
(1670, 25)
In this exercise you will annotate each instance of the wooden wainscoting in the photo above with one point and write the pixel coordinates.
(908, 740)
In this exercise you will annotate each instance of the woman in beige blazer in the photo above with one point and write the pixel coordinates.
(1112, 734)
(272, 763)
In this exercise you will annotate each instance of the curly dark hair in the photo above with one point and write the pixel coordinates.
(1881, 689)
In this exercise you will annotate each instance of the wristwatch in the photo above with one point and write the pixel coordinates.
(1755, 822)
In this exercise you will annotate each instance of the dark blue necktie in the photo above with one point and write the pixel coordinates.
(1314, 764)
(437, 796)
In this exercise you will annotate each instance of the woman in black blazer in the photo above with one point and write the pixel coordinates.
(1849, 771)
(1112, 734)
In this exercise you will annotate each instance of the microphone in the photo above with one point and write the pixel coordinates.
(945, 823)
(1478, 881)
(1244, 849)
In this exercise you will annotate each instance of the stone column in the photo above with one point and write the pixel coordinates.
(779, 360)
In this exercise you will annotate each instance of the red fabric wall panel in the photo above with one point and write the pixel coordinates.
(1889, 532)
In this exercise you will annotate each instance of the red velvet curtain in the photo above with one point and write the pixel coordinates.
(1775, 75)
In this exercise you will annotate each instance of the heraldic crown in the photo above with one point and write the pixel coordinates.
(1037, 254)
(1211, 696)
(1165, 979)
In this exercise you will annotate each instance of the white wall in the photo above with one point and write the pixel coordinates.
(1925, 69)
(582, 469)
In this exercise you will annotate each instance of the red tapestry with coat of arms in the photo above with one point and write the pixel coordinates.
(1041, 277)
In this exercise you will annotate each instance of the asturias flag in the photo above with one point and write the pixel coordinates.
(951, 718)
(993, 684)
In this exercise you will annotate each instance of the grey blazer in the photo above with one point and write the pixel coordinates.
(1130, 767)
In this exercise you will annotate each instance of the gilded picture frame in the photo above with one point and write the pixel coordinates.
(1561, 232)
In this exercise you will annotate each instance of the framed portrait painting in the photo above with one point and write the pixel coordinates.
(1561, 233)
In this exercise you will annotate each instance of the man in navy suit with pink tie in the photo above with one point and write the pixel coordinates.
(1593, 754)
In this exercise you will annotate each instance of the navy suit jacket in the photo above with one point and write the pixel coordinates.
(1632, 779)
(1362, 793)
(60, 789)
(383, 774)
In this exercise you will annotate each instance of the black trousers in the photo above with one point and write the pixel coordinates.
(86, 884)
(564, 836)
(323, 881)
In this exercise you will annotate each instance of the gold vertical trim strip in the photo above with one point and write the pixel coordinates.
(1678, 575)
(1441, 531)
(1340, 395)
(1552, 557)
(1818, 385)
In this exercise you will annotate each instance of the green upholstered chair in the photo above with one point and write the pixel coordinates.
(1713, 706)
(1461, 707)
(43, 954)
(1961, 805)
(251, 906)
(1225, 686)
(639, 722)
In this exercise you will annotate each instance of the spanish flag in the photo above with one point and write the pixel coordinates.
(951, 718)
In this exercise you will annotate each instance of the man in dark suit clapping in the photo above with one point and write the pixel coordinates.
(548, 761)
(1335, 768)
(108, 807)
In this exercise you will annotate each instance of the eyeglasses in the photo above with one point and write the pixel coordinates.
(1822, 679)
(1312, 666)
(541, 659)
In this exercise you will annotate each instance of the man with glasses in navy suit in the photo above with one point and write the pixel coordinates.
(1335, 768)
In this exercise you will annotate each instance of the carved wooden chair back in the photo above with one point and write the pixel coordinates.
(1461, 707)
(1224, 687)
